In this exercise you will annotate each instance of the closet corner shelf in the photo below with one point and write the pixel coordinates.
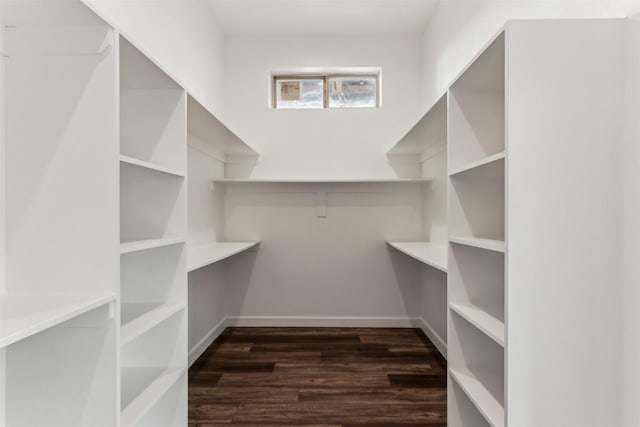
(429, 253)
(203, 255)
(488, 406)
(24, 315)
(141, 245)
(145, 401)
(320, 181)
(489, 244)
(482, 320)
(479, 163)
(143, 318)
(151, 166)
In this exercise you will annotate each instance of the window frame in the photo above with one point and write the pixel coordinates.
(325, 81)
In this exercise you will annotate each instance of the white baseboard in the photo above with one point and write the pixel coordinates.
(320, 322)
(437, 340)
(205, 342)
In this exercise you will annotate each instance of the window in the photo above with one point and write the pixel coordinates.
(325, 91)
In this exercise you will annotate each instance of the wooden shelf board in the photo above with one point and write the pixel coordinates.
(141, 245)
(146, 320)
(488, 406)
(489, 244)
(151, 166)
(320, 181)
(23, 315)
(482, 320)
(477, 164)
(428, 253)
(145, 401)
(203, 255)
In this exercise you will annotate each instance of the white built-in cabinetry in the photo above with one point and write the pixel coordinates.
(153, 285)
(534, 142)
(58, 290)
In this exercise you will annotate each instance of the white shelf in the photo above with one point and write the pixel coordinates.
(141, 245)
(429, 131)
(200, 256)
(206, 127)
(489, 244)
(482, 320)
(488, 406)
(482, 162)
(141, 317)
(321, 181)
(145, 401)
(150, 166)
(22, 316)
(429, 253)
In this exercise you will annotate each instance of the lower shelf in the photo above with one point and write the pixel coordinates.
(142, 388)
(488, 406)
(203, 255)
(138, 318)
(482, 320)
(24, 315)
(426, 252)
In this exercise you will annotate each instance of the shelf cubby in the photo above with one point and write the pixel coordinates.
(465, 398)
(477, 108)
(152, 277)
(148, 358)
(81, 388)
(476, 363)
(477, 202)
(152, 204)
(152, 112)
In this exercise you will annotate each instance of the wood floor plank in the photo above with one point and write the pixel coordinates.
(318, 377)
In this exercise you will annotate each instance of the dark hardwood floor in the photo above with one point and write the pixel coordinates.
(319, 377)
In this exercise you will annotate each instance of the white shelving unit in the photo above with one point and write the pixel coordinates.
(203, 255)
(532, 189)
(153, 285)
(476, 220)
(58, 238)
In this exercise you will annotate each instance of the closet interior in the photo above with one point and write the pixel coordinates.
(134, 233)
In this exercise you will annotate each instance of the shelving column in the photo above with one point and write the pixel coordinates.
(476, 213)
(153, 293)
(58, 327)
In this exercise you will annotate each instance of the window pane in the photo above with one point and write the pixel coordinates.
(353, 91)
(299, 93)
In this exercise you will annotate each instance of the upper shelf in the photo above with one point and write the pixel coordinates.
(212, 133)
(320, 180)
(430, 131)
(203, 255)
(476, 242)
(486, 161)
(22, 316)
(426, 252)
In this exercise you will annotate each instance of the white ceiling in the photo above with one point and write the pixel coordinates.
(321, 17)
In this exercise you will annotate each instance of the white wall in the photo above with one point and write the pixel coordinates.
(324, 271)
(181, 36)
(631, 157)
(458, 30)
(321, 143)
